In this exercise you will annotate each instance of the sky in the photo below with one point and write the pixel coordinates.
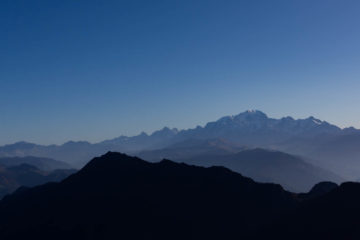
(95, 70)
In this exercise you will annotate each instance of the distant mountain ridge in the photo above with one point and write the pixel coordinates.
(326, 145)
(292, 172)
(26, 175)
(240, 126)
(45, 164)
(191, 148)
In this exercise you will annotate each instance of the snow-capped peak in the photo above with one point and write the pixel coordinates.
(316, 121)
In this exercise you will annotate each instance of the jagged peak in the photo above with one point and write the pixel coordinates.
(165, 130)
(252, 113)
(247, 113)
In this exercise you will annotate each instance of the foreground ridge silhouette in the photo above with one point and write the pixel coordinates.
(116, 196)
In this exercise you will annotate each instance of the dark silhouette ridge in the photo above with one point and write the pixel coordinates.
(117, 196)
(333, 215)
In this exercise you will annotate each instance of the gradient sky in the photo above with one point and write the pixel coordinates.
(93, 70)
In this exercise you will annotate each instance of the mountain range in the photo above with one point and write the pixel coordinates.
(318, 142)
(116, 196)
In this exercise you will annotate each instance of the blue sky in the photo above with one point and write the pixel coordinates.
(93, 70)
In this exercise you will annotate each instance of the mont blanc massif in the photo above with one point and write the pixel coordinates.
(246, 176)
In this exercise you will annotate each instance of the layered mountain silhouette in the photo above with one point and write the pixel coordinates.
(45, 164)
(120, 197)
(320, 142)
(73, 153)
(117, 196)
(191, 148)
(25, 175)
(292, 172)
